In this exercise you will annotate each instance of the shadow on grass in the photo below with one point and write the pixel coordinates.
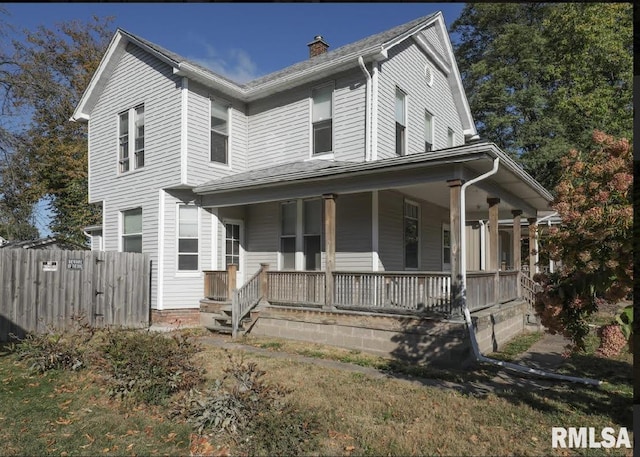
(417, 349)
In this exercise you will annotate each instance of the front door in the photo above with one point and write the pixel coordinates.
(233, 251)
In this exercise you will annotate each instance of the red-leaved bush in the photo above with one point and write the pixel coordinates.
(594, 240)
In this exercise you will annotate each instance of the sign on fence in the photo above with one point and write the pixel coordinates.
(106, 288)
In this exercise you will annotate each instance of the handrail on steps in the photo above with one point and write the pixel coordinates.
(245, 298)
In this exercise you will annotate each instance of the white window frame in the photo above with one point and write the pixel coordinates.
(293, 236)
(446, 228)
(132, 136)
(405, 110)
(451, 137)
(306, 234)
(325, 154)
(404, 242)
(224, 105)
(429, 134)
(180, 272)
(122, 234)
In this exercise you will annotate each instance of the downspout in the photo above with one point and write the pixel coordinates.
(467, 315)
(367, 118)
(374, 111)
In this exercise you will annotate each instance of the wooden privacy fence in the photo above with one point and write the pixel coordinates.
(41, 289)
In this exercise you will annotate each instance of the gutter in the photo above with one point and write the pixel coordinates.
(367, 117)
(467, 315)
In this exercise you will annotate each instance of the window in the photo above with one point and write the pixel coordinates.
(322, 119)
(187, 237)
(450, 138)
(219, 133)
(400, 122)
(232, 244)
(312, 229)
(289, 212)
(428, 131)
(139, 132)
(132, 230)
(411, 235)
(131, 120)
(446, 247)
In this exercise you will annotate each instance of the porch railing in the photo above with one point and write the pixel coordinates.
(529, 289)
(393, 290)
(296, 287)
(216, 285)
(481, 289)
(508, 285)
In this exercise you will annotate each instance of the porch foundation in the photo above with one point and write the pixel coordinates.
(413, 339)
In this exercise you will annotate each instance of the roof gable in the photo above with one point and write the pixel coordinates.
(374, 47)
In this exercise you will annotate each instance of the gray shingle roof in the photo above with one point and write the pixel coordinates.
(369, 43)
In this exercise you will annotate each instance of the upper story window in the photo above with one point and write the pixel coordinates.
(428, 131)
(401, 122)
(322, 119)
(131, 153)
(450, 138)
(132, 230)
(219, 133)
(187, 237)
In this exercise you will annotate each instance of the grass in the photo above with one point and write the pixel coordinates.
(69, 413)
(517, 346)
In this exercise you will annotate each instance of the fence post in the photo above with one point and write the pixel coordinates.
(264, 280)
(232, 269)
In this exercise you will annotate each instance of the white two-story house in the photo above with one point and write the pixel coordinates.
(350, 161)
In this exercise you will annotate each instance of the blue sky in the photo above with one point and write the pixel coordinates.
(240, 41)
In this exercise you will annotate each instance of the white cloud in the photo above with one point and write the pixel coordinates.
(235, 64)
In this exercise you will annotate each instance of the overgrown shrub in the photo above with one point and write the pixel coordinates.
(252, 411)
(149, 367)
(56, 349)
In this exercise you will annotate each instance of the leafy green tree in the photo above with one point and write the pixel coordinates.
(594, 241)
(541, 77)
(54, 66)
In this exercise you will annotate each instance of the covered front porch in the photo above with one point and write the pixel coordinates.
(391, 237)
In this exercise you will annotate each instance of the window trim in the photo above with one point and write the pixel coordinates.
(446, 228)
(431, 133)
(122, 235)
(131, 140)
(325, 154)
(405, 110)
(451, 137)
(404, 241)
(180, 272)
(225, 105)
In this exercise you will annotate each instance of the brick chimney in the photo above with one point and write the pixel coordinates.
(317, 46)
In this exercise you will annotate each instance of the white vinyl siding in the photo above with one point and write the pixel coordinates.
(136, 79)
(405, 69)
(199, 166)
(391, 229)
(280, 130)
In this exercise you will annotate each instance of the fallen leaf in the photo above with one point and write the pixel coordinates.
(349, 448)
(105, 450)
(170, 437)
(62, 421)
(148, 430)
(91, 440)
